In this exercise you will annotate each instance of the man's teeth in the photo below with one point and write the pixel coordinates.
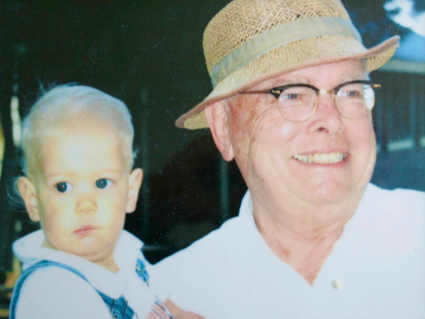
(321, 158)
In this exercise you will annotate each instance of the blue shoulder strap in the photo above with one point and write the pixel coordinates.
(118, 308)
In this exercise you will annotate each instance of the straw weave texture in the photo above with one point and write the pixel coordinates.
(232, 27)
(242, 20)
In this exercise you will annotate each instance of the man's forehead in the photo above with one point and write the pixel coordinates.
(342, 71)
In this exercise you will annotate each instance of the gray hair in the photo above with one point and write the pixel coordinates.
(69, 105)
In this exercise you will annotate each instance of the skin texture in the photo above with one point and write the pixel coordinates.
(85, 219)
(178, 313)
(300, 209)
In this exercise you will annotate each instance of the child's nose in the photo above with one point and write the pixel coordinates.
(86, 205)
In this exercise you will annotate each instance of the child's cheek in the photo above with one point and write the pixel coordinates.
(111, 211)
(60, 216)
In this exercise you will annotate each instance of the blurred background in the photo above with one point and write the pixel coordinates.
(149, 54)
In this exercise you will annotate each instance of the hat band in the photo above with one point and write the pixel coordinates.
(278, 36)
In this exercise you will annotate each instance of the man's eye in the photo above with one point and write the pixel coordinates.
(352, 94)
(297, 94)
(64, 187)
(290, 96)
(103, 183)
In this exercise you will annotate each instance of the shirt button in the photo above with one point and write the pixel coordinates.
(337, 284)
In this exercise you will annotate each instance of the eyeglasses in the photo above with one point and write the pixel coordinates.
(297, 102)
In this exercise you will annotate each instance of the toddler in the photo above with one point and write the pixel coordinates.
(79, 184)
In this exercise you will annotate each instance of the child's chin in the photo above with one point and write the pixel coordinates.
(88, 241)
(94, 253)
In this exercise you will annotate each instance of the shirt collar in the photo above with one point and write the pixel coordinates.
(246, 214)
(29, 251)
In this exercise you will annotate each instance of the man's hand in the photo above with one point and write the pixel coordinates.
(179, 313)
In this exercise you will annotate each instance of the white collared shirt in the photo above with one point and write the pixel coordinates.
(54, 292)
(376, 269)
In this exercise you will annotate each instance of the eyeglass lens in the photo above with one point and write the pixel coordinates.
(353, 101)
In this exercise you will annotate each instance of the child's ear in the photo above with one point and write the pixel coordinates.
(134, 183)
(29, 195)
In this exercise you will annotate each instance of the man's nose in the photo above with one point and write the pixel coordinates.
(327, 118)
(86, 205)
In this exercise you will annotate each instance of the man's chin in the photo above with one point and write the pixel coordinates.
(329, 193)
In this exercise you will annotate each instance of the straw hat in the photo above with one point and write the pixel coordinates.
(250, 41)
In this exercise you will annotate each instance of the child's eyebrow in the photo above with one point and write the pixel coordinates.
(70, 174)
(51, 175)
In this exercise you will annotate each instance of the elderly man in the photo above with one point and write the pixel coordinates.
(292, 104)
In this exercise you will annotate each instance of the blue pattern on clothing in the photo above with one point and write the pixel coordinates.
(141, 271)
(118, 308)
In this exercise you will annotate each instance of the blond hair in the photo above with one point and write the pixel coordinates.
(69, 105)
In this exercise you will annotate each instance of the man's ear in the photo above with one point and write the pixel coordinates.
(29, 196)
(134, 183)
(216, 116)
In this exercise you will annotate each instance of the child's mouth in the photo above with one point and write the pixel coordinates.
(84, 229)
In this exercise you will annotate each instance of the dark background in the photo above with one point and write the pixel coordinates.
(149, 54)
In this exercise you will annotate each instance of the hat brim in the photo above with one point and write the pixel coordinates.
(285, 59)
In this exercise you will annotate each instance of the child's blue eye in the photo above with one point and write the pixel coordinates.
(63, 187)
(103, 183)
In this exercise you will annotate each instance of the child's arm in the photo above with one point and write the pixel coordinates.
(179, 313)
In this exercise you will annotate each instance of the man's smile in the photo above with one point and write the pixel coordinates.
(321, 158)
